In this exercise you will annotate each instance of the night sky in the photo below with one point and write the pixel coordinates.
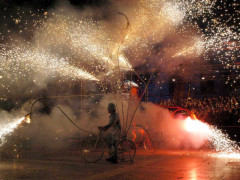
(13, 9)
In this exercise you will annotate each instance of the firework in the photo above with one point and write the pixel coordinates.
(196, 50)
(94, 47)
(9, 128)
(225, 147)
(217, 34)
(23, 60)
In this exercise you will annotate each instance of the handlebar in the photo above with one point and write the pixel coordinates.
(100, 128)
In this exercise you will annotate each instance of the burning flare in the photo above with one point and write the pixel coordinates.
(9, 128)
(28, 118)
(225, 147)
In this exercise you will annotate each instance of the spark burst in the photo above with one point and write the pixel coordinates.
(217, 34)
(93, 41)
(225, 147)
(23, 61)
(9, 128)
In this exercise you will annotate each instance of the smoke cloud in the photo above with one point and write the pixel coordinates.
(68, 45)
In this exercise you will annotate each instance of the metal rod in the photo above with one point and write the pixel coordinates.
(129, 100)
(72, 121)
(140, 101)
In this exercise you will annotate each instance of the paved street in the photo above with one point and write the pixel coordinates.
(160, 165)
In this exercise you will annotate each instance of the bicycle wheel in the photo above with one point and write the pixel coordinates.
(149, 145)
(126, 150)
(92, 151)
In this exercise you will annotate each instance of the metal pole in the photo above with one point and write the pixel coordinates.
(140, 102)
(128, 101)
(81, 100)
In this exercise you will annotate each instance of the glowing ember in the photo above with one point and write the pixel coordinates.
(221, 142)
(9, 128)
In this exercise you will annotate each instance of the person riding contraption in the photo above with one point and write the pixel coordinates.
(114, 127)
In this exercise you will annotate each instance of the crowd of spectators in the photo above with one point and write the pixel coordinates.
(220, 111)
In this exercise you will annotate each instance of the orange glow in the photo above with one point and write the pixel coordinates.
(194, 116)
(141, 131)
(134, 92)
(134, 135)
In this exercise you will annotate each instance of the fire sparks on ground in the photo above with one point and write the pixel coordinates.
(225, 147)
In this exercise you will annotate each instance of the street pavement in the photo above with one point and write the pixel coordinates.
(166, 165)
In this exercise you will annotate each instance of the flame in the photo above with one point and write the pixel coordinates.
(194, 116)
(28, 119)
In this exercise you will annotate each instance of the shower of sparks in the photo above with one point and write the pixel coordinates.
(173, 12)
(9, 128)
(23, 61)
(196, 49)
(75, 46)
(124, 62)
(222, 143)
(217, 34)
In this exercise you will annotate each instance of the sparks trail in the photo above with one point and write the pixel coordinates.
(22, 60)
(8, 128)
(225, 147)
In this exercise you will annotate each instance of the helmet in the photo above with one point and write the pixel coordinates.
(111, 108)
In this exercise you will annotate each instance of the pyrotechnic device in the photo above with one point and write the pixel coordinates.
(223, 145)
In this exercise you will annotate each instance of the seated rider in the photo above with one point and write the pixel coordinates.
(115, 127)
